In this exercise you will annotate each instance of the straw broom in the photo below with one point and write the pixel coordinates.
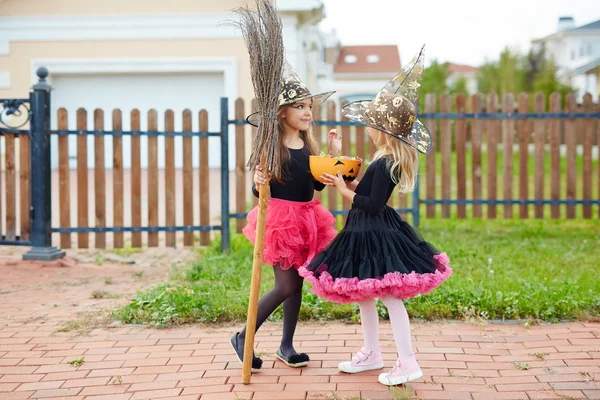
(262, 31)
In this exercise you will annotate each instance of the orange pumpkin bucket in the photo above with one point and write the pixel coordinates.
(348, 166)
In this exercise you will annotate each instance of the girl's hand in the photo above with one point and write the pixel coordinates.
(260, 177)
(334, 143)
(334, 180)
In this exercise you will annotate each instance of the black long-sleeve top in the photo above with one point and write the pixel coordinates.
(375, 188)
(300, 184)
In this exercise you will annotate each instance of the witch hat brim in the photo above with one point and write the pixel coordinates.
(418, 137)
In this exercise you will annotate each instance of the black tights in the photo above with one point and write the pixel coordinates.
(287, 290)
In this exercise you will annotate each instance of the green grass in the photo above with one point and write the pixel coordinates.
(515, 269)
(78, 362)
(127, 251)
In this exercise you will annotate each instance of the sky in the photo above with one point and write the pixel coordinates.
(458, 31)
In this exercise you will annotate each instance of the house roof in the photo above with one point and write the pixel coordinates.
(592, 26)
(587, 67)
(368, 59)
(461, 68)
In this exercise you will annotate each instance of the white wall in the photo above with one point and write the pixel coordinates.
(175, 91)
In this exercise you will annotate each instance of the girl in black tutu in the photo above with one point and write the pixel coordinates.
(377, 254)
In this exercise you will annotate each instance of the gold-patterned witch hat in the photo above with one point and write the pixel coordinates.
(293, 90)
(394, 109)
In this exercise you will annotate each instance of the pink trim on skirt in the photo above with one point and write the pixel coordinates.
(396, 284)
(295, 232)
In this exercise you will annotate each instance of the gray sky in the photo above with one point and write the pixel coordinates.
(459, 31)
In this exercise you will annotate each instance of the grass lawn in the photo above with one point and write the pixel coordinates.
(504, 269)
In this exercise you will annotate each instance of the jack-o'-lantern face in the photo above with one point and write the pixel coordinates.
(348, 167)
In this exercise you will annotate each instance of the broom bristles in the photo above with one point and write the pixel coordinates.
(263, 34)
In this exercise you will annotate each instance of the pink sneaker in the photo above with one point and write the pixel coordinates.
(364, 360)
(406, 369)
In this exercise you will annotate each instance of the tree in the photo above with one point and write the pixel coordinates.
(515, 73)
(488, 77)
(434, 78)
(533, 63)
(511, 72)
(546, 80)
(503, 76)
(460, 86)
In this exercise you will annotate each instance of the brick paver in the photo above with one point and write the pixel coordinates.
(49, 317)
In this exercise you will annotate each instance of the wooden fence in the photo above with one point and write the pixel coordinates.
(149, 184)
(548, 158)
(543, 166)
(15, 196)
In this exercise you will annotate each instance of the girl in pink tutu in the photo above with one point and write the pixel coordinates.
(297, 227)
(377, 254)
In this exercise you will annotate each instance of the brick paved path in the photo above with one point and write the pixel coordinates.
(49, 317)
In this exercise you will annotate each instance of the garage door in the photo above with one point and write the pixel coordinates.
(158, 91)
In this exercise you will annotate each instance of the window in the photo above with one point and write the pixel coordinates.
(573, 54)
(373, 59)
(350, 59)
(589, 49)
(581, 51)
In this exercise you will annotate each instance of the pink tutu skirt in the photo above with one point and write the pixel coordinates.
(295, 232)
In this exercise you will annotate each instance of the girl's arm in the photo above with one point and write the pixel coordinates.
(352, 185)
(347, 193)
(376, 200)
(334, 143)
(338, 182)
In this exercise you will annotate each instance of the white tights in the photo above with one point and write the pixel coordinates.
(398, 318)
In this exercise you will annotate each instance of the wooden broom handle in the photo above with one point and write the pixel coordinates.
(259, 245)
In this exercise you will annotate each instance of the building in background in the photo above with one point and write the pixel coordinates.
(358, 72)
(143, 54)
(466, 72)
(576, 52)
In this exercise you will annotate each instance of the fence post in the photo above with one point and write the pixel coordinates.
(225, 228)
(416, 195)
(41, 194)
(416, 206)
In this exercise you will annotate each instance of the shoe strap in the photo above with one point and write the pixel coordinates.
(363, 354)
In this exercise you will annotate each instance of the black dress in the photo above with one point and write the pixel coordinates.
(377, 253)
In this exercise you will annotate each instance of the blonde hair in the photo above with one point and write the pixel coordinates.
(403, 160)
(307, 137)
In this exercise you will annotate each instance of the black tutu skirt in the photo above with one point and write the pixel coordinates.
(375, 256)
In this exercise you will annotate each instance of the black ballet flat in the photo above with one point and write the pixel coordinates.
(295, 360)
(256, 362)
